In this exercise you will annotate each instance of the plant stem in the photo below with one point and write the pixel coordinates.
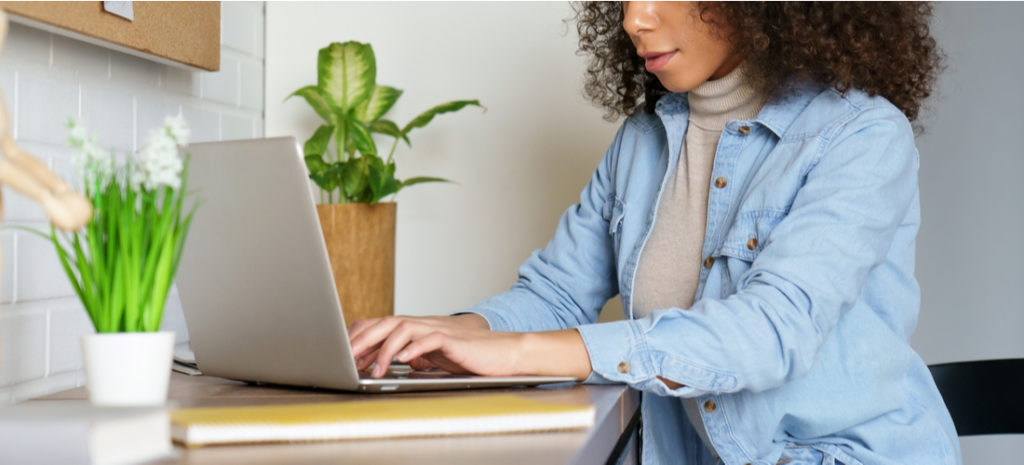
(392, 153)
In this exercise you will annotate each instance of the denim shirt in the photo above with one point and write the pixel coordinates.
(799, 335)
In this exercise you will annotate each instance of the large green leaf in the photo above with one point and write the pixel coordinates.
(380, 101)
(386, 126)
(346, 73)
(425, 117)
(317, 143)
(361, 138)
(318, 100)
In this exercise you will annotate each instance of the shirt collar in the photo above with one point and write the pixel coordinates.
(777, 114)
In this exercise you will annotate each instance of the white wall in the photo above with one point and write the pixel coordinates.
(46, 79)
(518, 166)
(970, 258)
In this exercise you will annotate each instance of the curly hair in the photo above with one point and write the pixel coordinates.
(881, 48)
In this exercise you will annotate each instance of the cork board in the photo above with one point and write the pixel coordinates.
(169, 32)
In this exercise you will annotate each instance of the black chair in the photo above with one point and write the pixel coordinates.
(983, 396)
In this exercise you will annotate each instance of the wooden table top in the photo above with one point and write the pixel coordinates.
(615, 405)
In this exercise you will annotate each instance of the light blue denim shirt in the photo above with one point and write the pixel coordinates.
(800, 332)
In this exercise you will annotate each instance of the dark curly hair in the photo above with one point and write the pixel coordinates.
(881, 48)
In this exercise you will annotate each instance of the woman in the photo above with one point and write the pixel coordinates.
(757, 212)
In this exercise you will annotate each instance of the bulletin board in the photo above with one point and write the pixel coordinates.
(171, 32)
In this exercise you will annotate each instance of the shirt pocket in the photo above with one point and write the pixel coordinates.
(742, 243)
(613, 211)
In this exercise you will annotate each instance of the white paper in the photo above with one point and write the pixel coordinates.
(122, 9)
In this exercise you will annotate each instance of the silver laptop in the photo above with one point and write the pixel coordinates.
(255, 281)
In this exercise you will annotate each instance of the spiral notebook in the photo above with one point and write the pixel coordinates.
(419, 417)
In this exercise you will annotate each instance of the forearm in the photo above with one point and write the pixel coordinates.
(554, 353)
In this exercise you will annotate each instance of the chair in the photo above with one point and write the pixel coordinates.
(983, 396)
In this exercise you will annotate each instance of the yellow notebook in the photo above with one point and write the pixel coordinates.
(502, 413)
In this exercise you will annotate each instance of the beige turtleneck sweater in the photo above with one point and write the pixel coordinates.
(669, 268)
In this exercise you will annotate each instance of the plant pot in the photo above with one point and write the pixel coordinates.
(360, 242)
(128, 369)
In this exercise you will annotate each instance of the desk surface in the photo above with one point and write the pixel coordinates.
(615, 405)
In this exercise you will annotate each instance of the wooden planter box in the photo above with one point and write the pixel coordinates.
(361, 245)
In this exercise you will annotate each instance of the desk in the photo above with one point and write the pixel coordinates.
(615, 406)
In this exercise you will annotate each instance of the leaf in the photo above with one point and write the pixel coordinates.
(316, 165)
(317, 143)
(316, 99)
(425, 117)
(420, 180)
(380, 101)
(346, 73)
(361, 138)
(355, 178)
(385, 126)
(382, 179)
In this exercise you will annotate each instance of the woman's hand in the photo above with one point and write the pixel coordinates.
(464, 344)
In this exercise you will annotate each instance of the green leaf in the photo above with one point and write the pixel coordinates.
(316, 99)
(425, 117)
(346, 73)
(361, 138)
(316, 165)
(317, 143)
(380, 101)
(355, 178)
(420, 180)
(384, 126)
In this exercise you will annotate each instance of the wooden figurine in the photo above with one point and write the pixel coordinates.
(67, 209)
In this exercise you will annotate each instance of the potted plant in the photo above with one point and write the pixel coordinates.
(359, 229)
(122, 264)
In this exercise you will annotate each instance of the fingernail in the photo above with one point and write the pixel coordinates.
(378, 371)
(403, 356)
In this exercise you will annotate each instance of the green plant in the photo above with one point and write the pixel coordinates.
(353, 105)
(122, 264)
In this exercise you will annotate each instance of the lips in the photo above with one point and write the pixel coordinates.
(656, 61)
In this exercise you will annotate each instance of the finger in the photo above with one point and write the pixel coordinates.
(415, 349)
(398, 339)
(420, 363)
(364, 362)
(373, 335)
(359, 326)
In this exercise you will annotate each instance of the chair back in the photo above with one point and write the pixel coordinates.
(983, 396)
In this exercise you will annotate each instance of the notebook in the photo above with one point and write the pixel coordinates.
(256, 285)
(488, 414)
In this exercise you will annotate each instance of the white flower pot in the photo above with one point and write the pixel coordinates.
(128, 369)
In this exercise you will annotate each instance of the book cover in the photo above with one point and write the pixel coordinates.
(487, 414)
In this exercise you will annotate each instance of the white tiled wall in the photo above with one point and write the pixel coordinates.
(47, 78)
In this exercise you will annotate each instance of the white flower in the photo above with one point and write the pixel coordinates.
(93, 161)
(177, 128)
(157, 164)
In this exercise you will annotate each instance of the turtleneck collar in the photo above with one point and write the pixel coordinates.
(715, 103)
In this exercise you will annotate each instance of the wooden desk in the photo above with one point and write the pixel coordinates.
(615, 406)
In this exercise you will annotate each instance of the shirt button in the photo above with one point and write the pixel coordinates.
(752, 243)
(744, 130)
(623, 367)
(720, 182)
(709, 262)
(710, 406)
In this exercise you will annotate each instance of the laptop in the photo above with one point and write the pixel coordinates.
(255, 282)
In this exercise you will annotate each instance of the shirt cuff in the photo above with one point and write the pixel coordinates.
(494, 319)
(619, 353)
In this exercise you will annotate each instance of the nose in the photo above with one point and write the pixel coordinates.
(638, 17)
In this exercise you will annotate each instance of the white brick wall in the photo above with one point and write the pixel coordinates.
(46, 79)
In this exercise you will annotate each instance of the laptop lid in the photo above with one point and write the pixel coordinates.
(254, 279)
